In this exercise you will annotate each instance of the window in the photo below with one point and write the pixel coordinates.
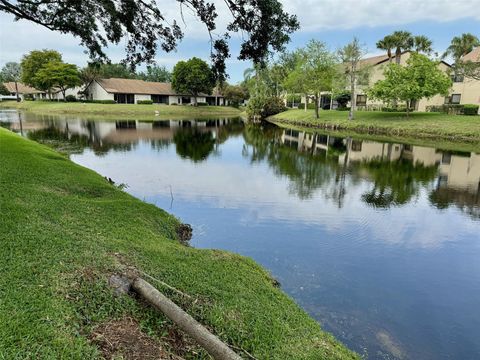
(457, 78)
(361, 100)
(124, 98)
(186, 99)
(160, 99)
(456, 98)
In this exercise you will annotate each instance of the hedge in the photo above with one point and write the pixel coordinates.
(144, 102)
(470, 109)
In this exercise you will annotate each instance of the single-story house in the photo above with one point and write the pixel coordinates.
(130, 91)
(23, 91)
(28, 91)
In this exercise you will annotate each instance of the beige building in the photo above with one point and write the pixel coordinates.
(131, 91)
(463, 91)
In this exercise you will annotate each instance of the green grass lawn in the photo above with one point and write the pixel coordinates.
(418, 125)
(64, 230)
(47, 107)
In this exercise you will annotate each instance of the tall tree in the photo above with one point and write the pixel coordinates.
(193, 77)
(402, 41)
(144, 27)
(387, 44)
(420, 78)
(422, 44)
(461, 46)
(60, 75)
(156, 73)
(11, 72)
(33, 62)
(351, 54)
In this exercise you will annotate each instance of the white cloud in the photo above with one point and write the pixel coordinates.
(348, 14)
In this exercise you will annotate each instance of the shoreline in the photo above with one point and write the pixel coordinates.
(129, 110)
(68, 230)
(428, 126)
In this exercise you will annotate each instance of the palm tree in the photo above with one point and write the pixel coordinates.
(422, 44)
(461, 46)
(403, 41)
(386, 44)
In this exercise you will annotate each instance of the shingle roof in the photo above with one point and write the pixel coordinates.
(374, 60)
(22, 88)
(134, 86)
(473, 55)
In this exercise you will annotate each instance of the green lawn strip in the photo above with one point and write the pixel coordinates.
(63, 230)
(418, 125)
(47, 107)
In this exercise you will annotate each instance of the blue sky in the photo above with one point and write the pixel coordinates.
(331, 21)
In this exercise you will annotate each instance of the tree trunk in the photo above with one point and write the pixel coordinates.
(317, 115)
(16, 92)
(195, 100)
(353, 96)
(64, 91)
(331, 100)
(306, 101)
(408, 108)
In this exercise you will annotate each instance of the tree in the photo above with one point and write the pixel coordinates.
(235, 94)
(11, 72)
(60, 75)
(402, 41)
(112, 70)
(422, 44)
(33, 62)
(387, 44)
(144, 27)
(193, 77)
(461, 46)
(156, 73)
(420, 78)
(351, 54)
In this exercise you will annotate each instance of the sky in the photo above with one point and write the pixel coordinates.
(331, 21)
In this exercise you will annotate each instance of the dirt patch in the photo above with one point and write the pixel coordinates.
(123, 338)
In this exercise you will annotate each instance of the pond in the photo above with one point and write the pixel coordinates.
(380, 242)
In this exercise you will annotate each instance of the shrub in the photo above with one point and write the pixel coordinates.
(470, 109)
(144, 102)
(301, 106)
(174, 104)
(272, 106)
(397, 109)
(311, 106)
(70, 98)
(202, 104)
(346, 108)
(452, 109)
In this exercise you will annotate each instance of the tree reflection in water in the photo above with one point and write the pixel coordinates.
(194, 144)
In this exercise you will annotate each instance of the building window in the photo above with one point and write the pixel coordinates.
(160, 99)
(124, 98)
(186, 99)
(456, 98)
(456, 78)
(361, 100)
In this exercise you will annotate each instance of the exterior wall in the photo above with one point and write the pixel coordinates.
(96, 92)
(173, 99)
(142, 97)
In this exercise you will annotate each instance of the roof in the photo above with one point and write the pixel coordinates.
(22, 88)
(134, 86)
(473, 55)
(374, 60)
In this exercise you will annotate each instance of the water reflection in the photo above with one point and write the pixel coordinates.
(378, 241)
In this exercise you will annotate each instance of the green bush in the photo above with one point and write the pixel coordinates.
(99, 101)
(70, 98)
(301, 106)
(311, 106)
(397, 109)
(144, 102)
(346, 108)
(174, 104)
(202, 104)
(452, 109)
(470, 109)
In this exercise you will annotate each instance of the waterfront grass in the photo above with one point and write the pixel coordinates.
(417, 125)
(58, 108)
(64, 230)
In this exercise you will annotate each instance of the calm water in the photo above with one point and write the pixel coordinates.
(379, 242)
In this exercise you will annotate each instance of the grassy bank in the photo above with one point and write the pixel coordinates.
(52, 108)
(418, 125)
(65, 230)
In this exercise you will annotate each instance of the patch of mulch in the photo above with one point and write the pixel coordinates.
(124, 338)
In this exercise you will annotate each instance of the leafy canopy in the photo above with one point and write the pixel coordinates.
(420, 78)
(193, 77)
(10, 72)
(33, 62)
(58, 74)
(144, 27)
